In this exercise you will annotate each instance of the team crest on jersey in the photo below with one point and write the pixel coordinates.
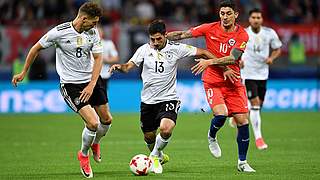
(76, 101)
(168, 55)
(232, 42)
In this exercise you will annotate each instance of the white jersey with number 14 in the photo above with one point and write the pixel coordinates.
(257, 51)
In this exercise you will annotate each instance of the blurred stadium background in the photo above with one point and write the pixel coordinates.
(293, 91)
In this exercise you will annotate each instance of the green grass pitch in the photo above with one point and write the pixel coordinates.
(44, 146)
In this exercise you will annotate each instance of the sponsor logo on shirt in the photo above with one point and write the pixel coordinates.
(213, 38)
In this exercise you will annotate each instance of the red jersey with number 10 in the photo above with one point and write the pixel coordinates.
(220, 44)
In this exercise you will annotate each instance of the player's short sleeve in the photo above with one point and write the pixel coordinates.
(241, 41)
(200, 30)
(49, 38)
(137, 58)
(97, 44)
(186, 50)
(275, 41)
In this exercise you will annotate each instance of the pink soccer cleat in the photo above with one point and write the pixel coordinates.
(85, 167)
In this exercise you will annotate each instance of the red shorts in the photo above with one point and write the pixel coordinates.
(235, 98)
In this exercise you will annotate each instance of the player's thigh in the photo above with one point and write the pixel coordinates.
(90, 117)
(215, 99)
(71, 94)
(148, 121)
(104, 113)
(252, 88)
(236, 100)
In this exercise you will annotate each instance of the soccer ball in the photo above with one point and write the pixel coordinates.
(140, 165)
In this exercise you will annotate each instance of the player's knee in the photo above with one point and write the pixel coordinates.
(165, 132)
(242, 122)
(93, 125)
(106, 120)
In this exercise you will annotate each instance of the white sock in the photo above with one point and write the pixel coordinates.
(159, 145)
(101, 131)
(87, 139)
(256, 121)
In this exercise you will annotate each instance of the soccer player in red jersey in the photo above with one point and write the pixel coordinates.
(225, 93)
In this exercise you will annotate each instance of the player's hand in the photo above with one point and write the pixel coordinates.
(269, 61)
(241, 64)
(17, 78)
(230, 74)
(86, 93)
(200, 66)
(114, 67)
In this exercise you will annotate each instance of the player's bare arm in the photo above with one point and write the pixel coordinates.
(110, 59)
(178, 35)
(33, 53)
(274, 54)
(227, 60)
(125, 68)
(202, 53)
(97, 65)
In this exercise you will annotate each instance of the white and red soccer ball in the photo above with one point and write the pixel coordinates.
(140, 165)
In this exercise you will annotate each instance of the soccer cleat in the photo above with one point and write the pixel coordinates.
(96, 152)
(214, 146)
(164, 159)
(85, 167)
(260, 144)
(156, 165)
(243, 166)
(232, 122)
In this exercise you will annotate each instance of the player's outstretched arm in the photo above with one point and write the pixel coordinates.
(33, 53)
(178, 35)
(125, 68)
(227, 60)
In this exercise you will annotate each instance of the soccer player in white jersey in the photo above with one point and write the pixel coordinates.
(78, 63)
(110, 56)
(256, 60)
(159, 101)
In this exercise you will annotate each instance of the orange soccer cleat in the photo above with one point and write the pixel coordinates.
(96, 152)
(260, 144)
(85, 165)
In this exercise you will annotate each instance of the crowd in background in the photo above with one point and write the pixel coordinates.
(40, 12)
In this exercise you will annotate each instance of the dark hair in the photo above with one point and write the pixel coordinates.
(254, 10)
(228, 3)
(157, 26)
(91, 9)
